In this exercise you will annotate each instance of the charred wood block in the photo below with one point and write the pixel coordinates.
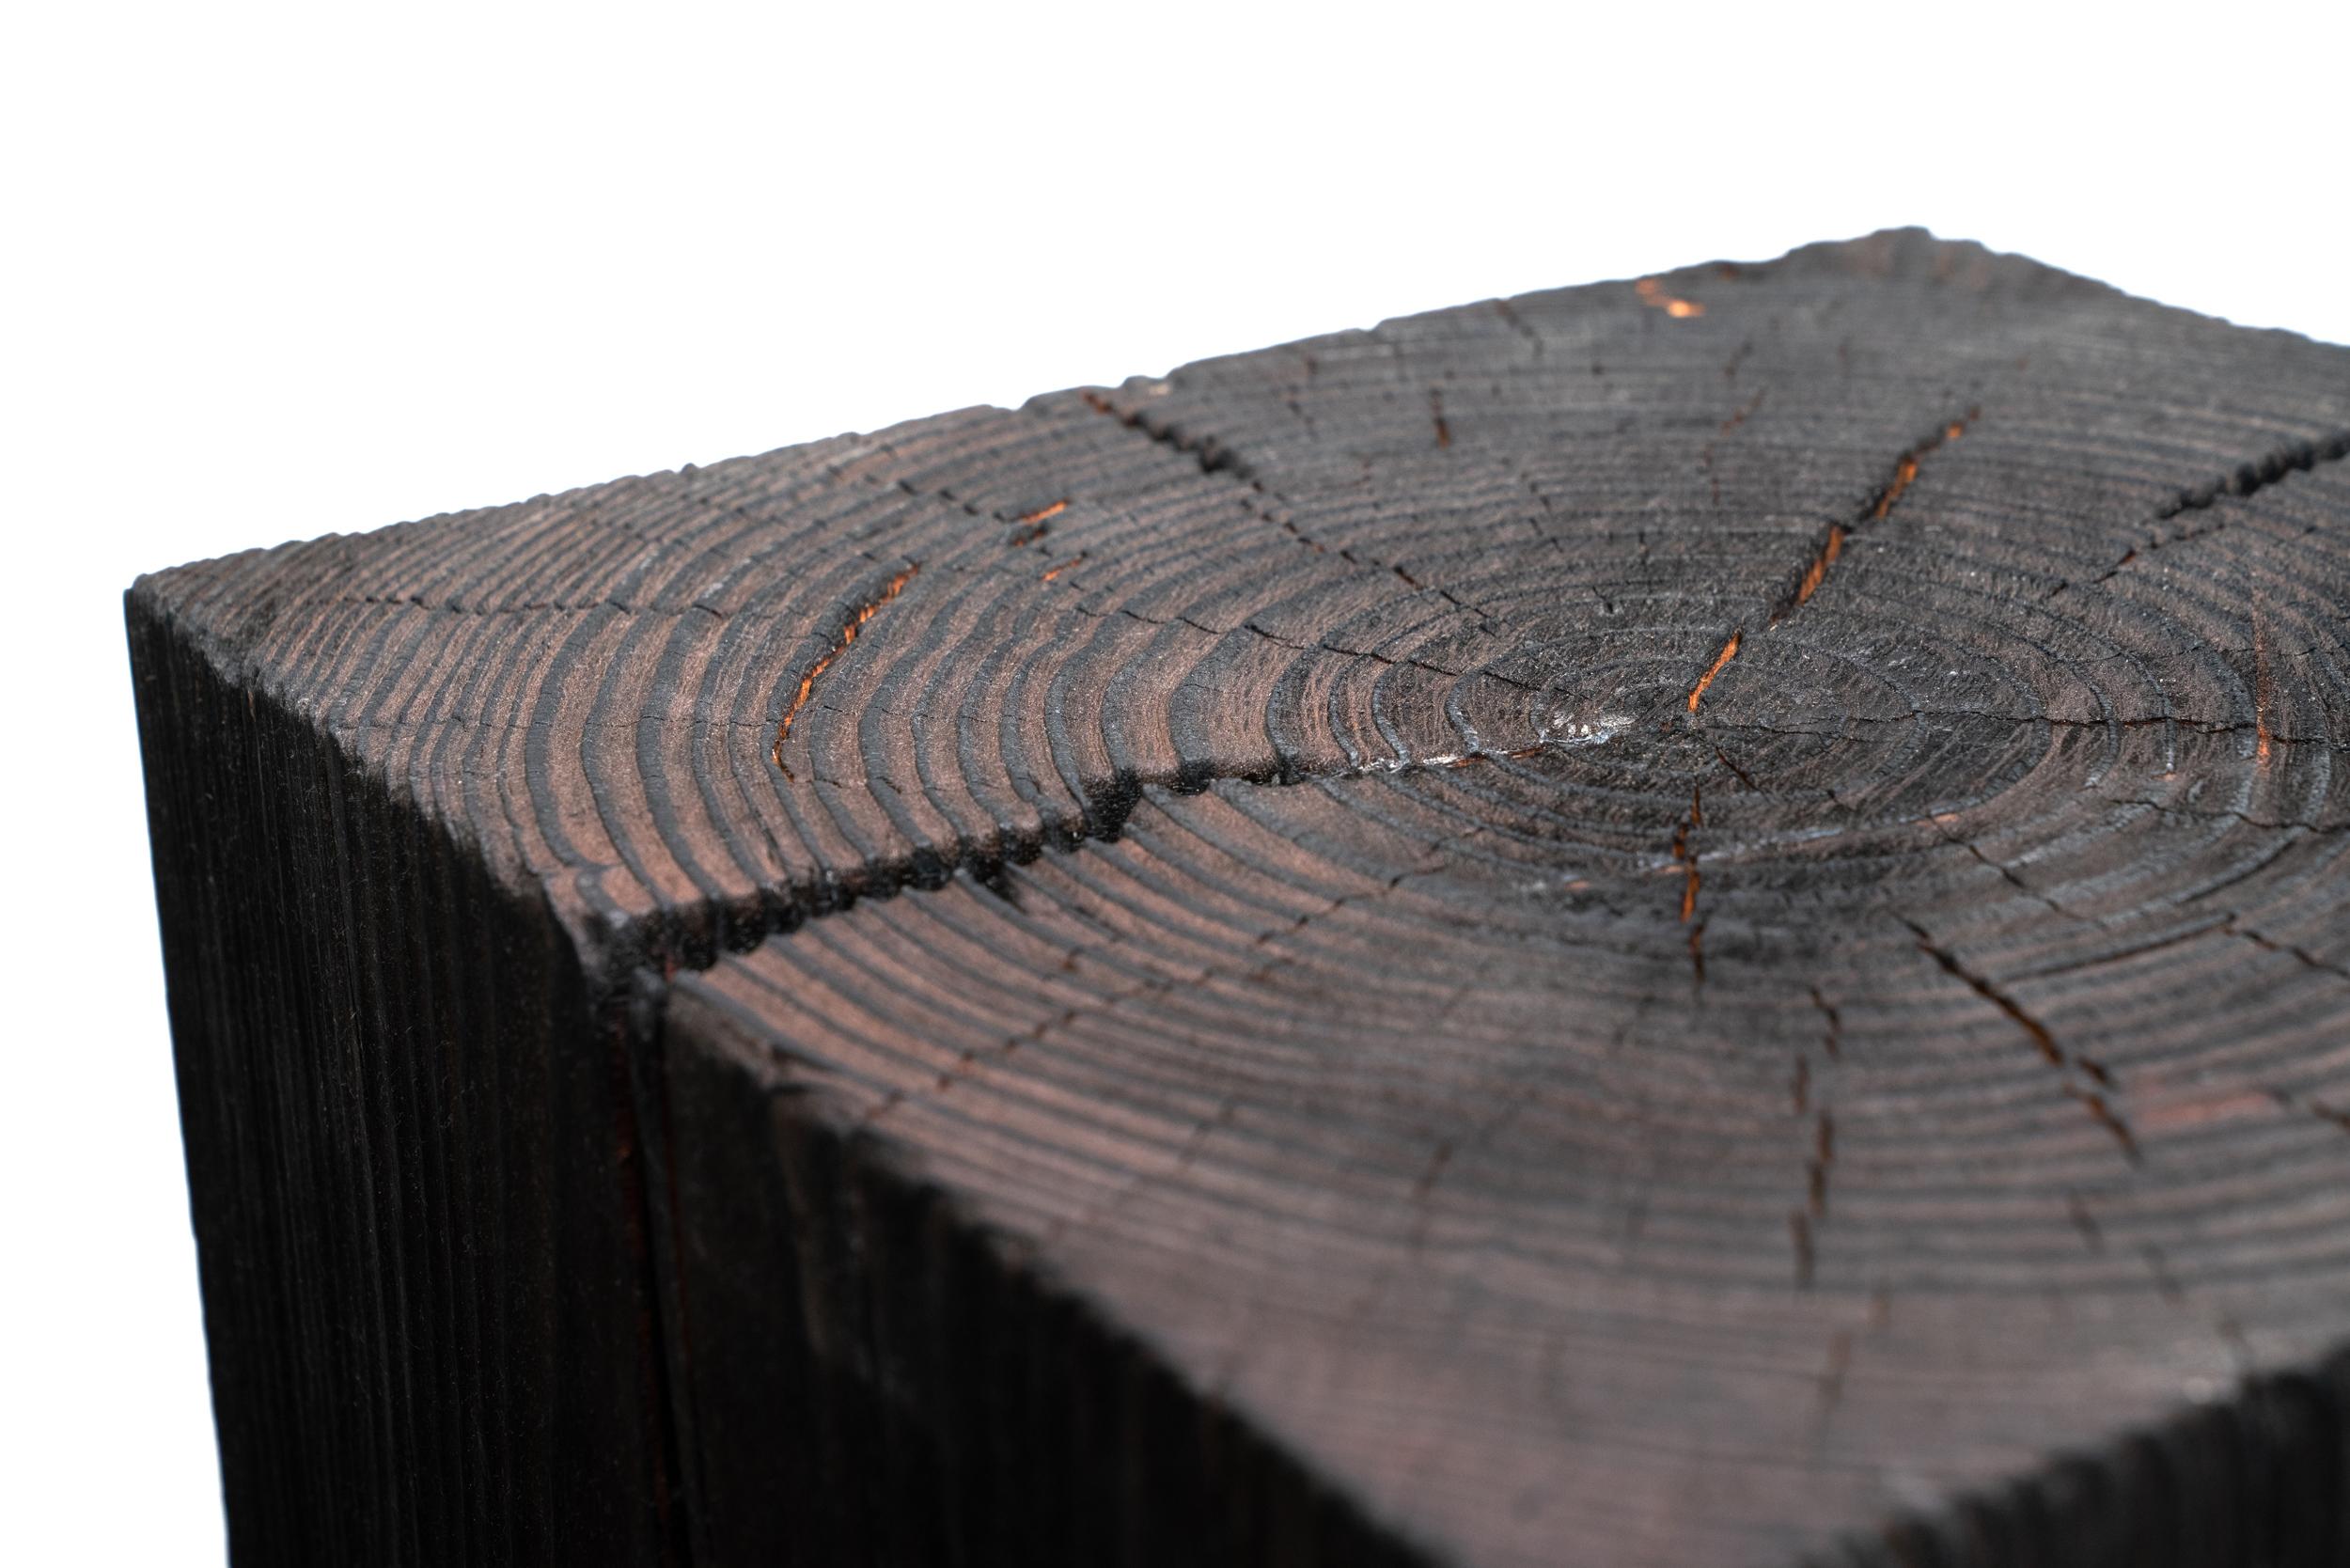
(1693, 924)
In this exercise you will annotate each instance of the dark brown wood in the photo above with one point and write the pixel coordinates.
(1692, 922)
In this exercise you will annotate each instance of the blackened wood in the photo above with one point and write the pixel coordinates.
(424, 1289)
(1698, 921)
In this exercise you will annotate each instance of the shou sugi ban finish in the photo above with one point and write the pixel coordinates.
(1693, 924)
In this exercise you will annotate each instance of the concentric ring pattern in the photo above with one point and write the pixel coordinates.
(1652, 924)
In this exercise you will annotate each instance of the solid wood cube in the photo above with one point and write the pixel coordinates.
(1697, 923)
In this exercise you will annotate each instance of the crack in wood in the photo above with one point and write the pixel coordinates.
(1729, 651)
(2095, 1103)
(1652, 294)
(2297, 457)
(1215, 457)
(2248, 479)
(1831, 540)
(841, 640)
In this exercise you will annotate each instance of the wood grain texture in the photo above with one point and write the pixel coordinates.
(1689, 922)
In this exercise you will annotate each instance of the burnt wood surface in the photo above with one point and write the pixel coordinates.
(1686, 922)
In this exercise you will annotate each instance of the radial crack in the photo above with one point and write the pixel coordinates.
(1831, 543)
(1652, 294)
(2297, 457)
(841, 639)
(2049, 1050)
(1214, 457)
(2094, 1101)
(1729, 651)
(1879, 507)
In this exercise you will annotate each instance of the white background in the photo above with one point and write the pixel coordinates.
(267, 273)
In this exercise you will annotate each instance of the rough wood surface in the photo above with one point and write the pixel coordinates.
(1692, 922)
